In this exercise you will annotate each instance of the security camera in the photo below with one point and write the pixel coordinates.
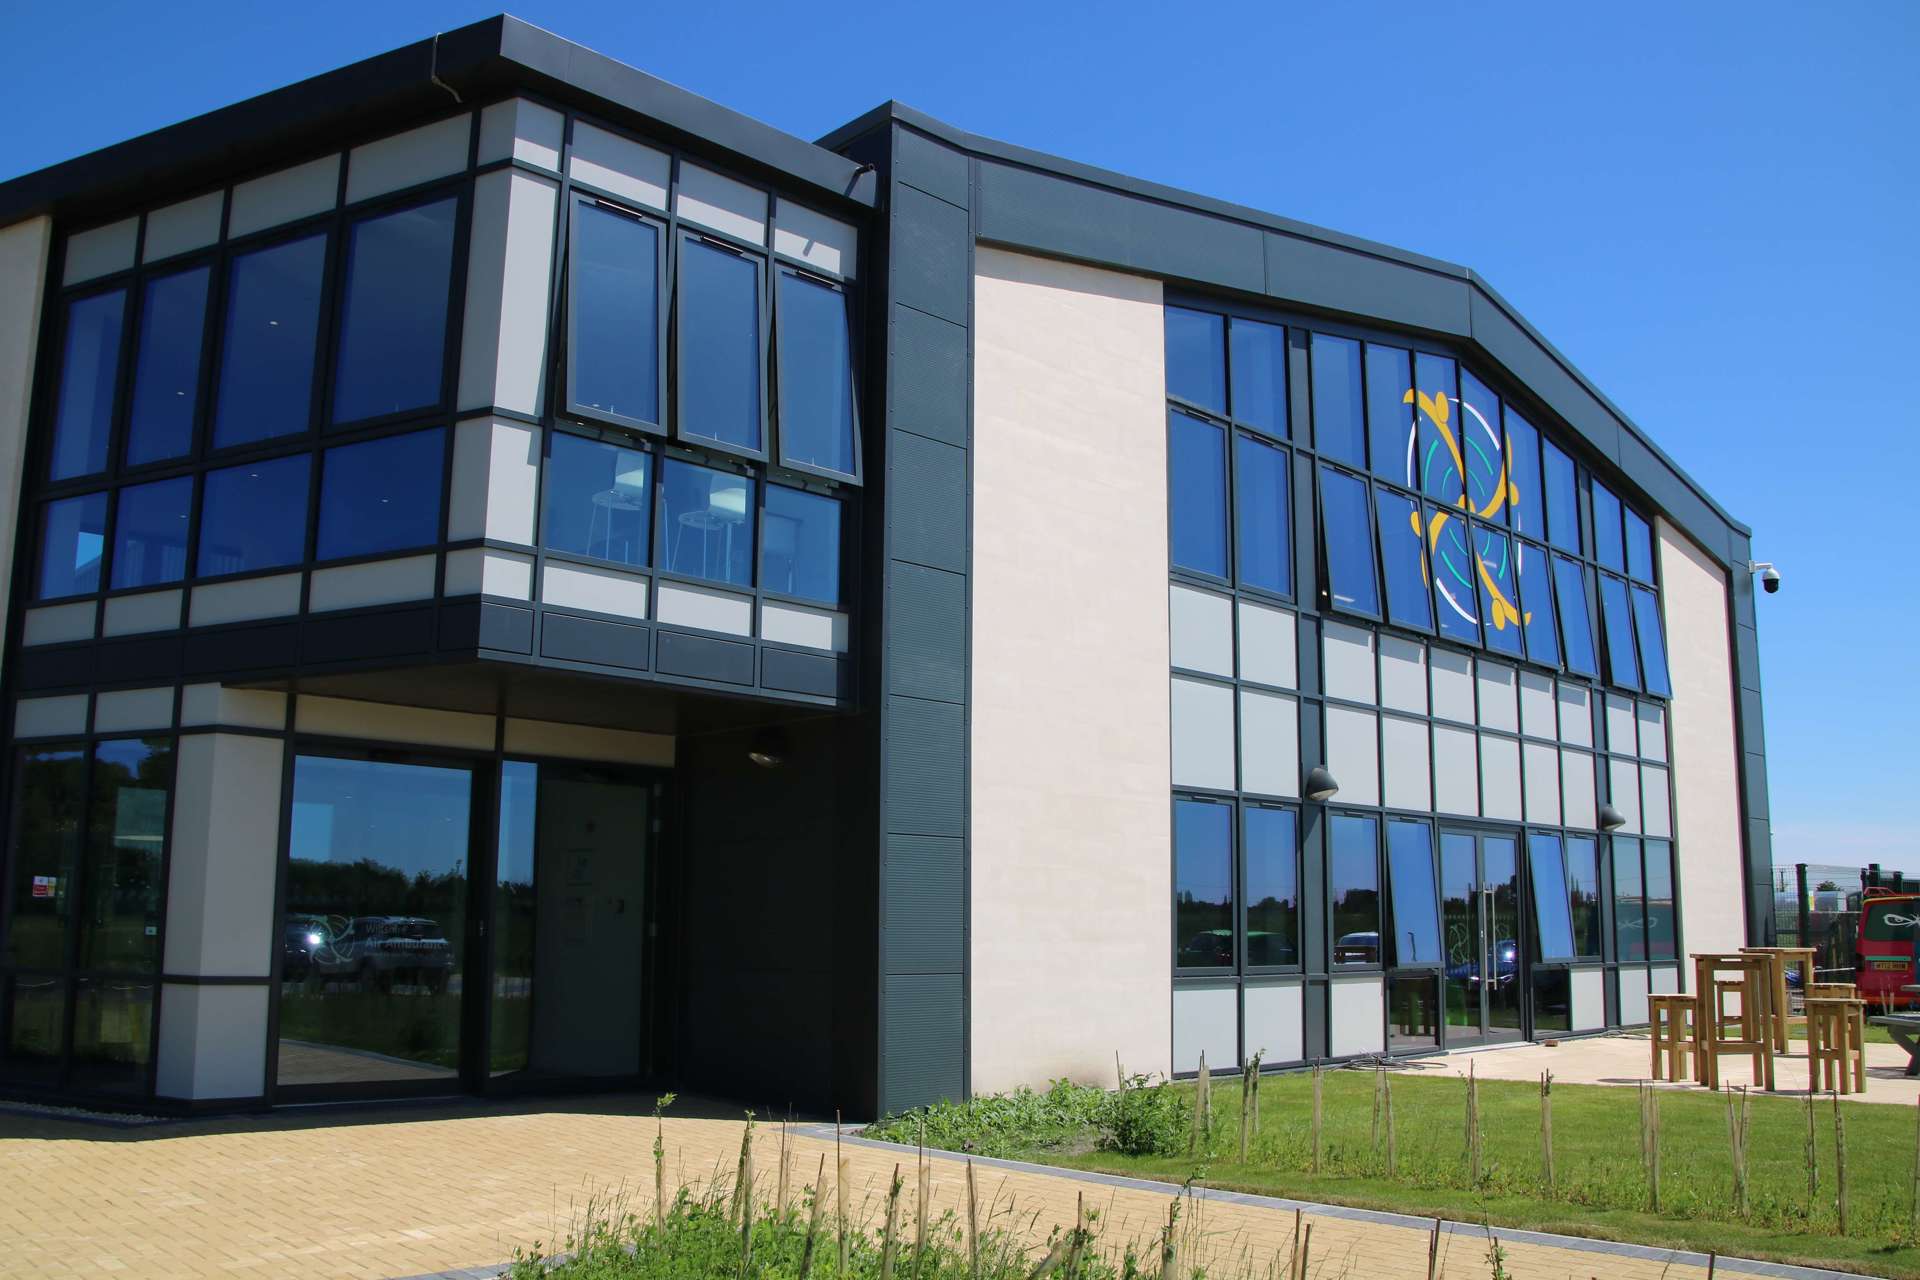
(1769, 576)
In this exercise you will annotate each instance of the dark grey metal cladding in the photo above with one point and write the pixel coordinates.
(922, 918)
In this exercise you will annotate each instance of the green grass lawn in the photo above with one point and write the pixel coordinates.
(1601, 1184)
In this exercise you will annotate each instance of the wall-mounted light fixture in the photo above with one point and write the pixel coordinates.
(1611, 819)
(768, 748)
(1320, 784)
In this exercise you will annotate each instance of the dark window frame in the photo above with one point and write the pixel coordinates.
(757, 257)
(1247, 968)
(780, 271)
(664, 262)
(1236, 907)
(1370, 524)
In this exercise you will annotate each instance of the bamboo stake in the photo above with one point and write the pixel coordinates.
(1293, 1253)
(1653, 1149)
(1733, 1150)
(888, 1242)
(1079, 1234)
(1546, 1127)
(1393, 1144)
(973, 1224)
(1246, 1110)
(1256, 1092)
(1206, 1100)
(659, 1170)
(813, 1217)
(1306, 1248)
(1379, 1083)
(743, 1177)
(1840, 1163)
(1316, 1119)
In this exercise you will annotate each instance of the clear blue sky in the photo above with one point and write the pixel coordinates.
(1711, 208)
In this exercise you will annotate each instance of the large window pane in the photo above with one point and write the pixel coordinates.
(1523, 476)
(1260, 375)
(816, 375)
(1339, 401)
(613, 326)
(272, 329)
(515, 913)
(1353, 885)
(1197, 358)
(374, 930)
(382, 495)
(1482, 451)
(36, 1026)
(51, 781)
(89, 369)
(800, 554)
(112, 1035)
(718, 345)
(126, 832)
(1202, 884)
(1583, 893)
(1563, 506)
(1499, 596)
(1390, 413)
(1273, 886)
(150, 533)
(599, 499)
(1198, 461)
(1552, 920)
(1437, 463)
(1653, 642)
(1536, 603)
(1265, 515)
(1660, 929)
(1576, 624)
(1639, 548)
(393, 331)
(1609, 548)
(73, 536)
(1346, 531)
(1616, 619)
(166, 371)
(1416, 908)
(1629, 904)
(254, 516)
(706, 523)
(1456, 584)
(1403, 554)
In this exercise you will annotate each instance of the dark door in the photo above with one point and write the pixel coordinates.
(1480, 915)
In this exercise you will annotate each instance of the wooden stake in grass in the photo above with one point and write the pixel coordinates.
(840, 1197)
(1199, 1106)
(1840, 1163)
(1246, 1110)
(922, 1192)
(1913, 1217)
(1433, 1251)
(1473, 1123)
(1393, 1142)
(1080, 1235)
(780, 1192)
(1738, 1126)
(973, 1224)
(1316, 1119)
(1293, 1254)
(1379, 1083)
(1254, 1069)
(1653, 1147)
(743, 1177)
(1813, 1155)
(1306, 1247)
(659, 1171)
(889, 1242)
(1206, 1103)
(1546, 1128)
(813, 1218)
(1170, 1242)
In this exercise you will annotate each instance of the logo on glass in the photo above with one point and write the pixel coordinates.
(1455, 455)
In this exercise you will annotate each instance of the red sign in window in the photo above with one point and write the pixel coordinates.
(45, 886)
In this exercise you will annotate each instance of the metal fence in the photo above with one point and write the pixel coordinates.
(1821, 904)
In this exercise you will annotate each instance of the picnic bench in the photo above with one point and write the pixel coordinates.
(1905, 1030)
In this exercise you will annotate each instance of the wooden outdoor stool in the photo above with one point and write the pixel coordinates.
(1717, 975)
(1673, 1020)
(1723, 1021)
(1829, 1032)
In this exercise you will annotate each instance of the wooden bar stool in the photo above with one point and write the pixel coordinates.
(1784, 958)
(1716, 975)
(1674, 1034)
(1723, 1021)
(1829, 1029)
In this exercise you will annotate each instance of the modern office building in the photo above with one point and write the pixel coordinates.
(524, 578)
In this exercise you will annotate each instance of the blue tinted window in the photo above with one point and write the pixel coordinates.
(1416, 904)
(613, 331)
(1608, 548)
(1260, 375)
(1265, 515)
(705, 527)
(150, 533)
(89, 368)
(1403, 550)
(1198, 463)
(800, 545)
(1583, 893)
(73, 535)
(1456, 585)
(1272, 885)
(1197, 358)
(1550, 908)
(1202, 884)
(1346, 531)
(1353, 886)
(1639, 548)
(816, 376)
(1390, 413)
(1339, 408)
(254, 516)
(1576, 626)
(383, 495)
(1482, 449)
(273, 326)
(1563, 507)
(599, 500)
(1536, 603)
(1437, 462)
(1659, 882)
(1629, 901)
(166, 371)
(719, 345)
(1523, 476)
(1653, 642)
(1499, 596)
(1617, 621)
(393, 331)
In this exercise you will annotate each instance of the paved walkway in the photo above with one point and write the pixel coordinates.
(418, 1190)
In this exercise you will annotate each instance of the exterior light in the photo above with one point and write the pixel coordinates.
(1320, 784)
(768, 749)
(1611, 819)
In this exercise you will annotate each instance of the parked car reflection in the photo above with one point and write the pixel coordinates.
(374, 952)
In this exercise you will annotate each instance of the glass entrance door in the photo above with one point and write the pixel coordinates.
(1480, 911)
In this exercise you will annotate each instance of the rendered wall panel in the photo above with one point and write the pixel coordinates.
(1269, 743)
(1274, 1019)
(1202, 735)
(245, 600)
(45, 717)
(1202, 630)
(25, 249)
(353, 586)
(425, 726)
(224, 859)
(683, 605)
(1205, 1020)
(1269, 642)
(615, 164)
(121, 710)
(1356, 1016)
(1633, 997)
(795, 624)
(213, 1042)
(815, 239)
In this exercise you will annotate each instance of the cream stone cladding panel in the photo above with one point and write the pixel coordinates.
(1706, 754)
(1070, 652)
